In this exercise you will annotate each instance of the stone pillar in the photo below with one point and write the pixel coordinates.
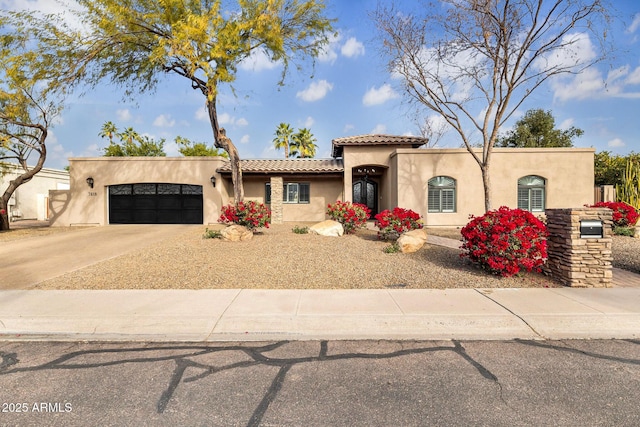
(574, 260)
(276, 200)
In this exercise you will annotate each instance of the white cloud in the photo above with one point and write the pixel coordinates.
(245, 139)
(202, 114)
(616, 142)
(352, 48)
(380, 129)
(634, 77)
(309, 122)
(348, 128)
(258, 61)
(226, 119)
(634, 25)
(330, 54)
(566, 124)
(123, 115)
(315, 92)
(379, 96)
(592, 84)
(164, 121)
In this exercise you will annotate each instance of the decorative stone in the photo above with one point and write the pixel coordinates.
(412, 241)
(236, 233)
(636, 234)
(327, 228)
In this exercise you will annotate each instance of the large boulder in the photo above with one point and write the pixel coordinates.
(236, 233)
(327, 228)
(412, 241)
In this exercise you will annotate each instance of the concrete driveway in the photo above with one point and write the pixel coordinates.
(28, 261)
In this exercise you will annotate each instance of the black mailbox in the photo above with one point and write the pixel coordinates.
(591, 229)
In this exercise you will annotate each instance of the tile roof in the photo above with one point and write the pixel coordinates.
(287, 166)
(412, 141)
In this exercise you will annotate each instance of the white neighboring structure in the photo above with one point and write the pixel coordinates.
(31, 199)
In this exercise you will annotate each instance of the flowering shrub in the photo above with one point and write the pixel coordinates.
(505, 240)
(396, 222)
(249, 214)
(624, 215)
(351, 215)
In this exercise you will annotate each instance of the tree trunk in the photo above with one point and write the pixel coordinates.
(21, 179)
(222, 141)
(486, 183)
(4, 216)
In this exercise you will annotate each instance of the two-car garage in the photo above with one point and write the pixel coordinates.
(155, 203)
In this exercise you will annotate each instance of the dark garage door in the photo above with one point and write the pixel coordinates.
(155, 204)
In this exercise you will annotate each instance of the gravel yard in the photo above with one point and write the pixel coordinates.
(277, 258)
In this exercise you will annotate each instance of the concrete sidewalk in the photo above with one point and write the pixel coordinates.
(261, 315)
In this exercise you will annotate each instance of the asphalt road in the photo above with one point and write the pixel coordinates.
(320, 383)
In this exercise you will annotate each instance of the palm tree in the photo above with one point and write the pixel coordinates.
(108, 131)
(283, 138)
(303, 145)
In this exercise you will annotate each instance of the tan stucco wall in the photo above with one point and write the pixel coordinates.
(568, 172)
(84, 205)
(323, 190)
(356, 156)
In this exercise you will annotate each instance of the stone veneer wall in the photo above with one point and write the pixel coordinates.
(575, 261)
(276, 200)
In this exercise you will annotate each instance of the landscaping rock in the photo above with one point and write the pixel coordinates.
(636, 234)
(236, 233)
(327, 228)
(412, 241)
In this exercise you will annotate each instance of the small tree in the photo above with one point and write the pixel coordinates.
(132, 144)
(190, 148)
(133, 42)
(537, 129)
(475, 62)
(31, 95)
(303, 145)
(629, 190)
(283, 138)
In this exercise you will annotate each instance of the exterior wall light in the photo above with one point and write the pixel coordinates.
(213, 181)
(90, 182)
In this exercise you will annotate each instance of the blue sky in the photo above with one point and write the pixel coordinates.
(351, 92)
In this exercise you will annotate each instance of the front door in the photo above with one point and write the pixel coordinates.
(365, 191)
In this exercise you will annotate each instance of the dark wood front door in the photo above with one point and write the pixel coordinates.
(365, 191)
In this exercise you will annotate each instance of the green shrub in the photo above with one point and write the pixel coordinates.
(392, 248)
(300, 230)
(624, 231)
(212, 234)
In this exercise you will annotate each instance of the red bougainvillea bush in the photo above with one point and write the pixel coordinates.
(505, 241)
(351, 215)
(624, 215)
(250, 214)
(392, 223)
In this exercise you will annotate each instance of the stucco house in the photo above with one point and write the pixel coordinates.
(31, 199)
(381, 171)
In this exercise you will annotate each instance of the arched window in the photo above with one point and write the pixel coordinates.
(441, 195)
(531, 193)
